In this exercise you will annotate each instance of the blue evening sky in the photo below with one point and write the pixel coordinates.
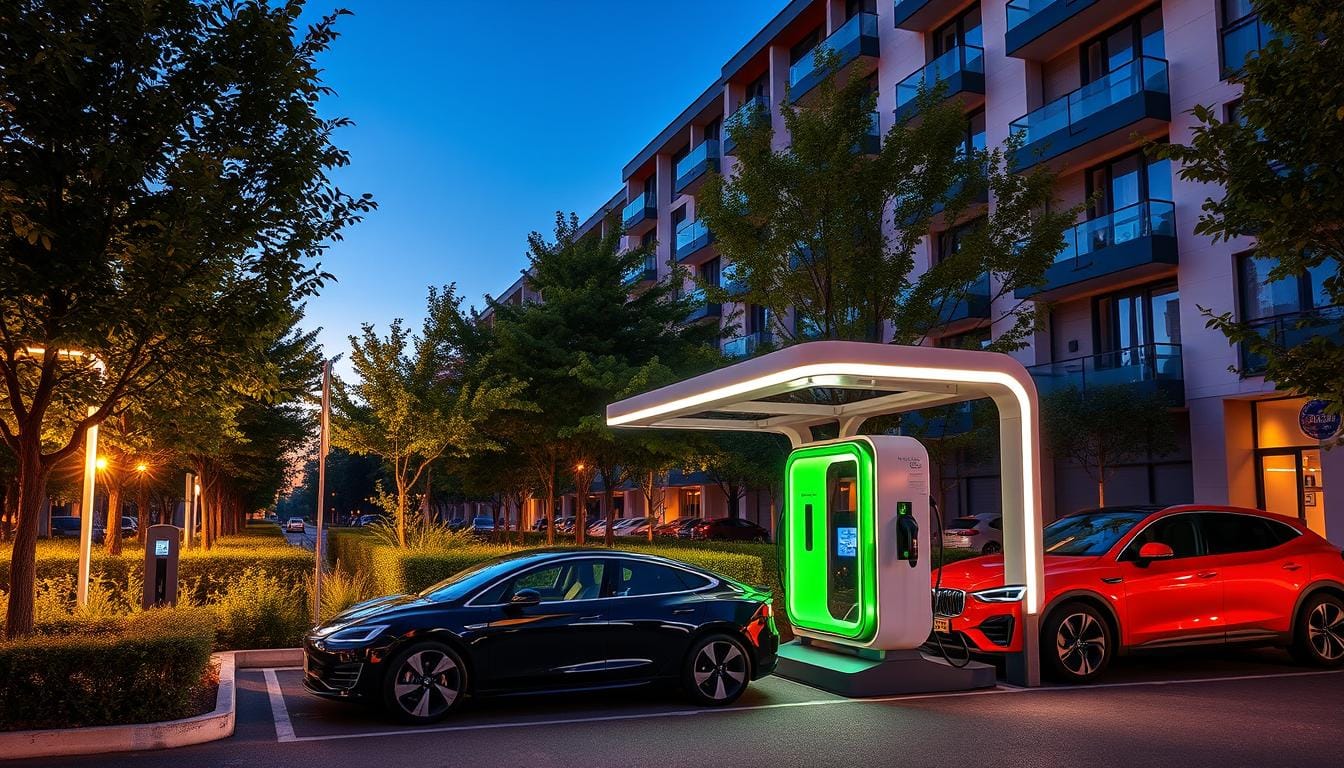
(475, 122)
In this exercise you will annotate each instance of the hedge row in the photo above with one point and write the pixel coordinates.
(395, 570)
(147, 667)
(200, 573)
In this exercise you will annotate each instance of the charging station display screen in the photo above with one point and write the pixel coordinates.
(847, 542)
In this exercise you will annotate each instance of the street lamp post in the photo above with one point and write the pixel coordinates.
(323, 442)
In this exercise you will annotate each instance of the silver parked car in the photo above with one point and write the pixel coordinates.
(982, 533)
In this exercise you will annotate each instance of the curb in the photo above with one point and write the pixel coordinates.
(101, 739)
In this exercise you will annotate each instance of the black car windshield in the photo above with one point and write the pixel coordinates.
(468, 580)
(1089, 534)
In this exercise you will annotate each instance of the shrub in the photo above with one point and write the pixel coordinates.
(138, 669)
(340, 590)
(261, 610)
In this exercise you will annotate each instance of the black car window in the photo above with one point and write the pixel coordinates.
(556, 583)
(1227, 532)
(996, 523)
(1179, 532)
(634, 579)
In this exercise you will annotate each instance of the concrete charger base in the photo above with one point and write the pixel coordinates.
(843, 671)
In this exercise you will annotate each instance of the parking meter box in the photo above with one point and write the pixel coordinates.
(162, 543)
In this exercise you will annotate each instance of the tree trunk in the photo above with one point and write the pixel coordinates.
(142, 508)
(401, 513)
(607, 498)
(32, 484)
(112, 528)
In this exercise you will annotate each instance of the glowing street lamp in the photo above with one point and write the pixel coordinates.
(100, 463)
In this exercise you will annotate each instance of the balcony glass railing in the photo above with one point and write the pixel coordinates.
(1021, 10)
(687, 235)
(1156, 363)
(961, 58)
(1289, 330)
(1140, 75)
(1243, 39)
(751, 109)
(745, 346)
(862, 25)
(1142, 219)
(635, 208)
(641, 272)
(707, 150)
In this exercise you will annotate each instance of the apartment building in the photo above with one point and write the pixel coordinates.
(1084, 82)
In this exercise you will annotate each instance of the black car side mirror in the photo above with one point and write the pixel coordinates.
(525, 598)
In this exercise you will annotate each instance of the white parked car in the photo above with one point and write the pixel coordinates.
(294, 524)
(631, 526)
(983, 533)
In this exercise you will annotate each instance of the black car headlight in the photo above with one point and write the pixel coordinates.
(349, 636)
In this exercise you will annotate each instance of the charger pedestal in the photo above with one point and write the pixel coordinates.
(850, 672)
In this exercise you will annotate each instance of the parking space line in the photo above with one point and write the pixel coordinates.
(284, 730)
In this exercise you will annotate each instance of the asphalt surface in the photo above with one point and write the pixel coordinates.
(1228, 709)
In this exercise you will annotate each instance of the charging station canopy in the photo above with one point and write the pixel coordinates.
(845, 383)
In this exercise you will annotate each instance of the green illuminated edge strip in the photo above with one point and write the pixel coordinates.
(805, 583)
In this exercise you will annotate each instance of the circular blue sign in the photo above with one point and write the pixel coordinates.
(1316, 423)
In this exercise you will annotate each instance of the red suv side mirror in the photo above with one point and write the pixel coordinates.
(1155, 550)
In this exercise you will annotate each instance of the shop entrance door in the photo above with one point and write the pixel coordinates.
(1288, 482)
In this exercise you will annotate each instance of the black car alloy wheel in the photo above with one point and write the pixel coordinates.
(718, 670)
(425, 683)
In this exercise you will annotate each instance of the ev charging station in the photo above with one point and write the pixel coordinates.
(854, 530)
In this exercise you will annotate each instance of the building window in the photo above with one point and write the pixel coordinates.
(1263, 297)
(804, 47)
(949, 241)
(1236, 10)
(1129, 322)
(713, 129)
(976, 339)
(1139, 36)
(710, 272)
(1125, 181)
(963, 29)
(690, 502)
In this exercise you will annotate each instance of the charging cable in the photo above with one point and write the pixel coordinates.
(938, 583)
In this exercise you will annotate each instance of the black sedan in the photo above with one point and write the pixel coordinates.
(559, 620)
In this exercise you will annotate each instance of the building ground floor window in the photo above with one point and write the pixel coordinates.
(1289, 476)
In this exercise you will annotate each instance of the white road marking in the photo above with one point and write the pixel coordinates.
(284, 730)
(282, 715)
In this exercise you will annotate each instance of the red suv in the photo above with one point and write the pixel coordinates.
(1123, 579)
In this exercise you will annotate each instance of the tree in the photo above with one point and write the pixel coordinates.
(1280, 166)
(164, 192)
(411, 402)
(740, 461)
(825, 232)
(589, 342)
(1103, 426)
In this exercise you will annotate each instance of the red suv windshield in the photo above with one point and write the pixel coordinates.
(1089, 534)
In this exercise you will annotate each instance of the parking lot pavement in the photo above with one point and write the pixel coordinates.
(1226, 710)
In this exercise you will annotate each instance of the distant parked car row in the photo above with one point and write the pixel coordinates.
(67, 527)
(712, 529)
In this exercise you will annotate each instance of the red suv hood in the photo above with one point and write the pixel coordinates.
(985, 572)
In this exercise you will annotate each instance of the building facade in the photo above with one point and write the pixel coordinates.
(1085, 82)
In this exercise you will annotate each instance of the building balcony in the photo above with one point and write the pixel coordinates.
(1243, 39)
(970, 309)
(1291, 330)
(703, 308)
(1135, 242)
(1038, 29)
(855, 41)
(693, 168)
(1097, 119)
(1153, 367)
(693, 237)
(640, 215)
(752, 110)
(921, 15)
(745, 345)
(961, 70)
(642, 273)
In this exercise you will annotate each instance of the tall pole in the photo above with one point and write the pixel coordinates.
(86, 512)
(189, 508)
(324, 437)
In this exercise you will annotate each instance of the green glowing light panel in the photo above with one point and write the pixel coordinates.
(855, 542)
